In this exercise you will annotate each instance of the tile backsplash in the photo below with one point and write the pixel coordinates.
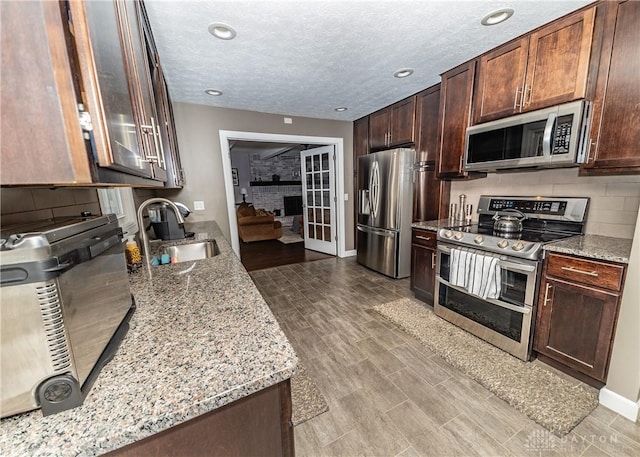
(19, 204)
(613, 208)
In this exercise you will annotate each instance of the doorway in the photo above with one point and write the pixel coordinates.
(228, 137)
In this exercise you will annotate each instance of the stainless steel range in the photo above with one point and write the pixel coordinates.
(488, 273)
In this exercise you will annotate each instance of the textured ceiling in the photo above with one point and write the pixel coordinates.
(305, 58)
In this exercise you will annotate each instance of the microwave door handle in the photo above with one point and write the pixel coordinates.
(547, 137)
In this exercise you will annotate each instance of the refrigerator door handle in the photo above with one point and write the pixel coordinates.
(381, 232)
(374, 185)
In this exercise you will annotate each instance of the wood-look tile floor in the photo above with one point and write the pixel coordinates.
(387, 394)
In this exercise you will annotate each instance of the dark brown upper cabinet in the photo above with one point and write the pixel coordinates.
(168, 139)
(453, 119)
(393, 126)
(91, 117)
(546, 67)
(615, 125)
(427, 107)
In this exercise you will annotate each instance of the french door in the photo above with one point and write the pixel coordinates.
(319, 199)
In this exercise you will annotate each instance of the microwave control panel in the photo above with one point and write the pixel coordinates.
(562, 136)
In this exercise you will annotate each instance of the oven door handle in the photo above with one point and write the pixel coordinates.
(517, 266)
(519, 309)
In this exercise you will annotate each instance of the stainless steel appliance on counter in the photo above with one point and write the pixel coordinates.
(550, 137)
(64, 309)
(487, 274)
(385, 201)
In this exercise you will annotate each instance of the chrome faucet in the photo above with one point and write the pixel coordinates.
(143, 233)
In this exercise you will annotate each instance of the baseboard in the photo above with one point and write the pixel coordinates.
(350, 253)
(621, 405)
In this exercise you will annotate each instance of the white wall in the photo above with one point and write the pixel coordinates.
(624, 370)
(614, 199)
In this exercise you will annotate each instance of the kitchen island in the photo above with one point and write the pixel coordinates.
(201, 341)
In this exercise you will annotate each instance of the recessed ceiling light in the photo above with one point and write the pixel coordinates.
(222, 31)
(403, 72)
(497, 16)
(341, 109)
(213, 92)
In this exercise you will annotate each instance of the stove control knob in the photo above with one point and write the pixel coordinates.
(448, 234)
(478, 239)
(503, 244)
(458, 235)
(518, 246)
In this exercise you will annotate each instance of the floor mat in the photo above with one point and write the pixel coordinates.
(307, 401)
(542, 395)
(290, 237)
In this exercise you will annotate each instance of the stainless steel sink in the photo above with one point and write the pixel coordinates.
(193, 251)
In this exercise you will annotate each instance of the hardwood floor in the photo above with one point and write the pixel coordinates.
(390, 396)
(258, 255)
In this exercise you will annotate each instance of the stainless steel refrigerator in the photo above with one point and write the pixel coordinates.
(385, 204)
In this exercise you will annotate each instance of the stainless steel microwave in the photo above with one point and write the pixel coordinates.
(550, 137)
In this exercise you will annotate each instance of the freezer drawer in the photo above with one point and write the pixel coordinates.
(378, 250)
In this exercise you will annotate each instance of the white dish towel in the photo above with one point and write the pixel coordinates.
(479, 274)
(458, 267)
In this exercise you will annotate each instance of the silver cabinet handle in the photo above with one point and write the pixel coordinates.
(525, 100)
(515, 98)
(433, 260)
(546, 294)
(582, 272)
(426, 238)
(592, 145)
(156, 133)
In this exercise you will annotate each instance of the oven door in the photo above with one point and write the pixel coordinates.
(505, 322)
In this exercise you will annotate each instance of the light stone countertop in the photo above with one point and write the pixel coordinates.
(197, 341)
(594, 247)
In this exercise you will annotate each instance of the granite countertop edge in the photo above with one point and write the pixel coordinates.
(597, 247)
(175, 363)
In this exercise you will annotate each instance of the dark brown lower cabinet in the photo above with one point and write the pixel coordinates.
(259, 424)
(423, 264)
(577, 315)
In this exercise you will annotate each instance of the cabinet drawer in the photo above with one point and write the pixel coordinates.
(424, 238)
(589, 272)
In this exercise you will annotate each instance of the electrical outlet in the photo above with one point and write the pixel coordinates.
(198, 205)
(346, 197)
(288, 120)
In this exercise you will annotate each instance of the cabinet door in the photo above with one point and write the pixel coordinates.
(165, 125)
(423, 265)
(402, 122)
(360, 148)
(500, 81)
(615, 128)
(558, 61)
(140, 81)
(41, 135)
(100, 46)
(576, 325)
(427, 106)
(379, 130)
(455, 107)
(430, 195)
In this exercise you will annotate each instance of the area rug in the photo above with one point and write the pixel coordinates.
(289, 237)
(307, 401)
(543, 396)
